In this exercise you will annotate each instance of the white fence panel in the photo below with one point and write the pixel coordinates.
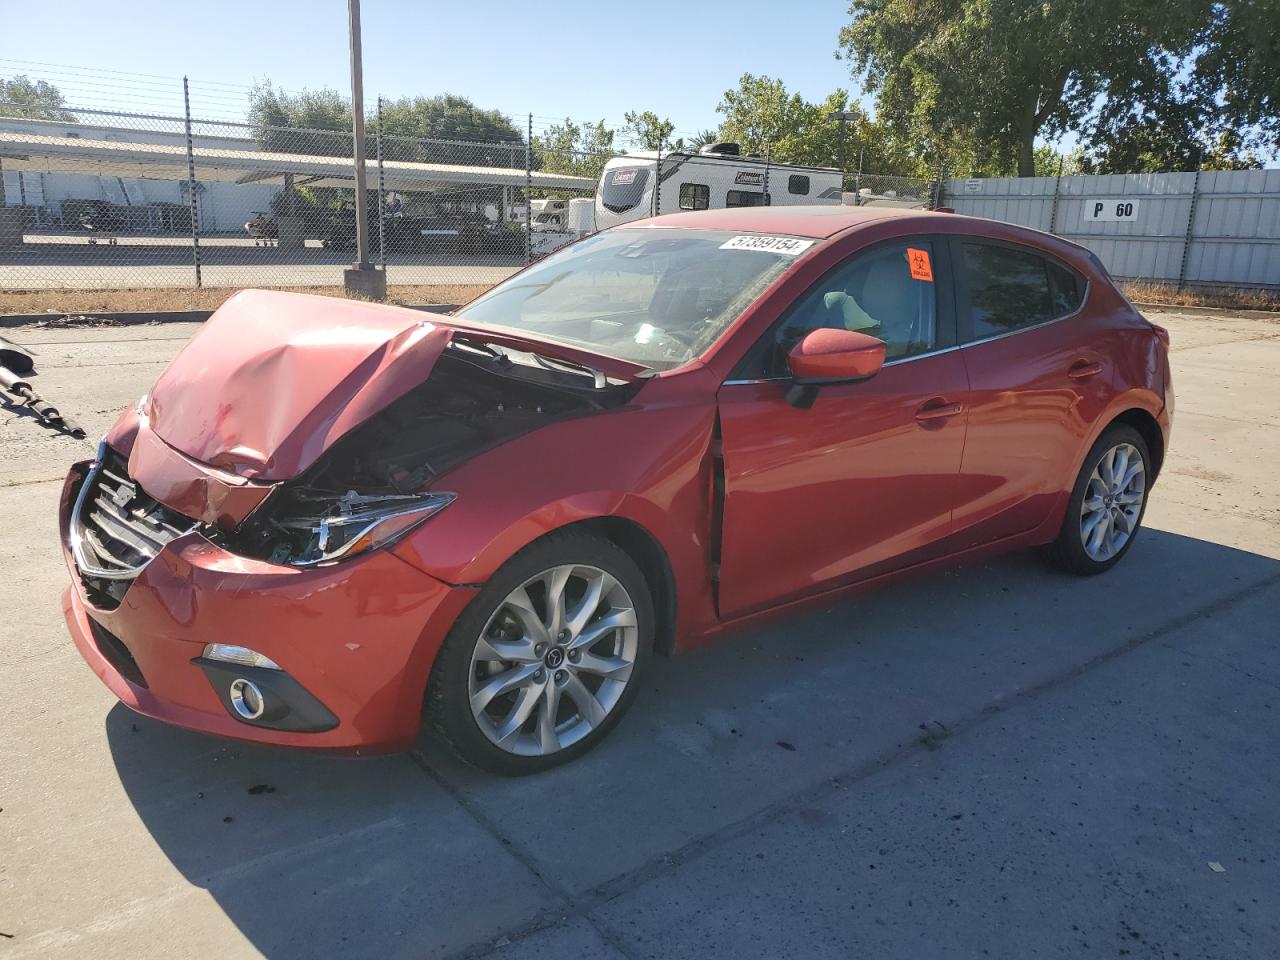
(1216, 227)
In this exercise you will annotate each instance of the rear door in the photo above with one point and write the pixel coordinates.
(1038, 377)
(864, 480)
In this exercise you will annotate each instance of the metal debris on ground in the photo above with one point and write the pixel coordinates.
(15, 364)
(77, 320)
(16, 357)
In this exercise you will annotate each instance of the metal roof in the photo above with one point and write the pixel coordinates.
(158, 161)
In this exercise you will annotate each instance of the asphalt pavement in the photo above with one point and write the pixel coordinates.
(999, 761)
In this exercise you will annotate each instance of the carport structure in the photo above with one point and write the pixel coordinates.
(158, 161)
(143, 192)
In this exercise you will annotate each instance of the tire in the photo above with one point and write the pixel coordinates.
(508, 653)
(1103, 518)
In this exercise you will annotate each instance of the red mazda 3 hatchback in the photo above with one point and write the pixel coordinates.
(327, 517)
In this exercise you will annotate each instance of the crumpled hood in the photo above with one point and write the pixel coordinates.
(272, 380)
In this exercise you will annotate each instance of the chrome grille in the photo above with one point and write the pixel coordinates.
(117, 528)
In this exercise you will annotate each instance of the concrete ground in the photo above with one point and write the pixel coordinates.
(999, 761)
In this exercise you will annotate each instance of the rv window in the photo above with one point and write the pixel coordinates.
(798, 184)
(623, 188)
(694, 196)
(745, 198)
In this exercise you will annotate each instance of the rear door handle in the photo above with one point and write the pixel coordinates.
(938, 409)
(1084, 368)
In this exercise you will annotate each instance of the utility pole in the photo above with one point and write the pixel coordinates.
(382, 197)
(363, 279)
(842, 116)
(191, 183)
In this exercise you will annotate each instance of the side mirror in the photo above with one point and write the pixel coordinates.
(828, 356)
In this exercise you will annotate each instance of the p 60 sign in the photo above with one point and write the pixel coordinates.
(1110, 209)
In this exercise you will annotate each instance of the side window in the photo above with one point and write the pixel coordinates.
(745, 198)
(1011, 289)
(887, 292)
(694, 196)
(1066, 287)
(798, 184)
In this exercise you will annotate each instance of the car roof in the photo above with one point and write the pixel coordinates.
(821, 222)
(817, 221)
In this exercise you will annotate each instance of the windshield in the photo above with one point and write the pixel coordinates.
(656, 297)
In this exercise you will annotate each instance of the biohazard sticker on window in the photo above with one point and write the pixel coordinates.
(786, 245)
(918, 261)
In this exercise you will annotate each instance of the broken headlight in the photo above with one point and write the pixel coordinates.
(316, 528)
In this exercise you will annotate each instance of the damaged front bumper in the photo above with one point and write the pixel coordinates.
(354, 641)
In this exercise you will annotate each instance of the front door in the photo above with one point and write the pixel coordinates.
(863, 481)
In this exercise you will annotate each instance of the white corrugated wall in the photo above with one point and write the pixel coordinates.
(1234, 235)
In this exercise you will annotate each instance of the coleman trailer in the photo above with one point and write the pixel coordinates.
(717, 176)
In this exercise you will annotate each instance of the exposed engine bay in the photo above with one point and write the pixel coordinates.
(476, 397)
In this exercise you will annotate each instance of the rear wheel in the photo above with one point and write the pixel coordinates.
(544, 662)
(1107, 504)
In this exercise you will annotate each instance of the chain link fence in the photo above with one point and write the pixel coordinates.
(103, 199)
(890, 191)
(112, 200)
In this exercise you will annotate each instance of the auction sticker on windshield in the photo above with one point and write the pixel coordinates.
(788, 245)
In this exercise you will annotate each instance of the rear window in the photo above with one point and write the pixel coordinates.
(623, 188)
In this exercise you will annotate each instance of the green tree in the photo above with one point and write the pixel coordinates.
(319, 122)
(983, 79)
(577, 149)
(650, 132)
(35, 100)
(410, 124)
(764, 118)
(314, 122)
(703, 138)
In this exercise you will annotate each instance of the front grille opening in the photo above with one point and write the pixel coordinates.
(119, 529)
(116, 653)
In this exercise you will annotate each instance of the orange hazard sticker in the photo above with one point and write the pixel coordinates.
(918, 260)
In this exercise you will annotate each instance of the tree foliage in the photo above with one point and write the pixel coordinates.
(21, 96)
(1154, 82)
(577, 149)
(319, 122)
(764, 118)
(648, 131)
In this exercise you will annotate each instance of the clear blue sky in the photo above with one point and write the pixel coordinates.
(586, 60)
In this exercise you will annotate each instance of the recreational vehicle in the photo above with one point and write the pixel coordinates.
(717, 176)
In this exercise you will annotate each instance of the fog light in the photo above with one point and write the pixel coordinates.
(246, 698)
(229, 653)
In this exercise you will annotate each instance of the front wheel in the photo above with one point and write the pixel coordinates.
(543, 663)
(1107, 504)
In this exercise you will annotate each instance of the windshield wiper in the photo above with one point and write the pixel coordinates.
(478, 346)
(598, 379)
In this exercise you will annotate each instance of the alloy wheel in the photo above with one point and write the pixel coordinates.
(553, 660)
(1112, 502)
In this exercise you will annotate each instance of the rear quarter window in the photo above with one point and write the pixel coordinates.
(1066, 288)
(1011, 288)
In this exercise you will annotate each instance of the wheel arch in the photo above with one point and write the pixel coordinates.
(644, 548)
(1149, 429)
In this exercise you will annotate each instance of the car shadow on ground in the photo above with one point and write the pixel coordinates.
(417, 855)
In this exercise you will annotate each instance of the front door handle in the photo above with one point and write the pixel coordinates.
(938, 409)
(1084, 368)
